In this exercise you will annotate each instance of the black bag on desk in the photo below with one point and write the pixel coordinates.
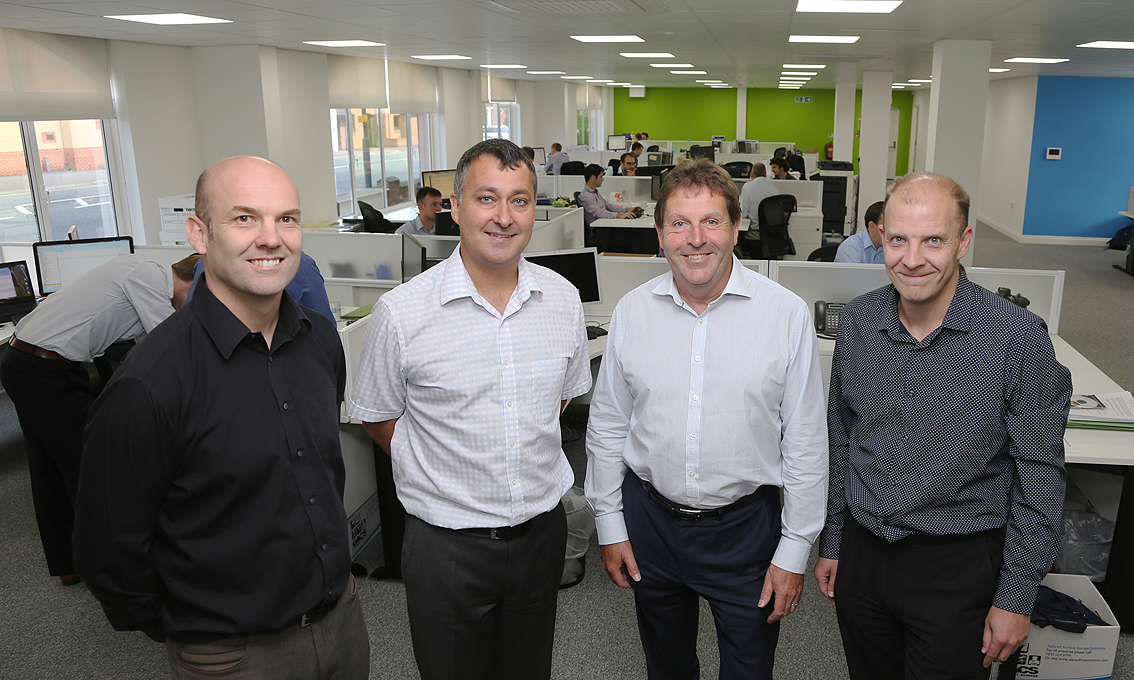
(1121, 238)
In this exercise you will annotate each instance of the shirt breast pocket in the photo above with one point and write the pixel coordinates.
(547, 388)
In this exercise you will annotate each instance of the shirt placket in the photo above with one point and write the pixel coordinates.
(509, 398)
(693, 417)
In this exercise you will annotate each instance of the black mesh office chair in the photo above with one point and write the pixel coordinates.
(780, 152)
(572, 168)
(615, 166)
(373, 221)
(652, 148)
(795, 163)
(775, 211)
(824, 254)
(738, 169)
(444, 225)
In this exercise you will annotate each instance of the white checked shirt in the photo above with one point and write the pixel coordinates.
(476, 393)
(708, 408)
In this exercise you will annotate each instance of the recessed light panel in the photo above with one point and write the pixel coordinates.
(688, 73)
(546, 73)
(1035, 60)
(438, 57)
(798, 73)
(831, 39)
(168, 19)
(999, 70)
(502, 66)
(575, 77)
(647, 55)
(1109, 45)
(607, 38)
(920, 80)
(343, 43)
(710, 82)
(805, 66)
(848, 6)
(672, 65)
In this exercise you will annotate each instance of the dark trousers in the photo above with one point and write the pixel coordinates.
(51, 403)
(915, 608)
(483, 608)
(723, 560)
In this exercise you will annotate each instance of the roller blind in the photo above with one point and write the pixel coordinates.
(588, 96)
(413, 87)
(53, 77)
(502, 89)
(356, 82)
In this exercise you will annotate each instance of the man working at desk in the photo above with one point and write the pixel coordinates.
(780, 168)
(637, 149)
(210, 511)
(690, 441)
(43, 373)
(865, 246)
(464, 372)
(629, 165)
(594, 205)
(555, 159)
(946, 419)
(428, 205)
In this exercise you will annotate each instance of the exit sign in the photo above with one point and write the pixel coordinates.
(803, 100)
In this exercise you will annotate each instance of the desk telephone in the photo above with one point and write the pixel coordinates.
(827, 317)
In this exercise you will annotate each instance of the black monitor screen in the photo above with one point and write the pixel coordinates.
(579, 266)
(57, 263)
(650, 170)
(413, 257)
(696, 152)
(441, 180)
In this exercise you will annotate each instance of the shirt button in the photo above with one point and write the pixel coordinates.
(701, 321)
(285, 406)
(512, 444)
(299, 453)
(509, 403)
(324, 547)
(311, 500)
(692, 474)
(697, 358)
(692, 437)
(515, 482)
(505, 362)
(695, 397)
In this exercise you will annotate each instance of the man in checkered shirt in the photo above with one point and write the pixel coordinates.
(946, 419)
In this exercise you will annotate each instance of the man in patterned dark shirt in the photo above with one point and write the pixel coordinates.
(946, 420)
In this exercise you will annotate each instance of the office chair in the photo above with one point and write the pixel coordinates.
(445, 226)
(696, 152)
(780, 152)
(775, 211)
(795, 162)
(738, 169)
(615, 166)
(373, 222)
(653, 148)
(824, 254)
(572, 168)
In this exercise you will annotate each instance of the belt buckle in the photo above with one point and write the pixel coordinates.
(492, 536)
(303, 621)
(689, 515)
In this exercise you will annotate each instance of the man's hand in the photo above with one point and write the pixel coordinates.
(1004, 632)
(618, 562)
(788, 588)
(825, 570)
(628, 215)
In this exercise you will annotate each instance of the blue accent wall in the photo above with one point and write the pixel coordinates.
(1092, 119)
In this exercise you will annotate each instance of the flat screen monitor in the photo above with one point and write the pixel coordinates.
(696, 152)
(650, 170)
(579, 266)
(617, 142)
(441, 180)
(659, 158)
(17, 296)
(58, 263)
(540, 156)
(413, 257)
(437, 248)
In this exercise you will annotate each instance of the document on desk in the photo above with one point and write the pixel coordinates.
(1107, 411)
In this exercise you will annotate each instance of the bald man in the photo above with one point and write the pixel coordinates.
(231, 544)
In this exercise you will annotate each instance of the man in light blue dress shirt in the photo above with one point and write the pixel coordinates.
(428, 205)
(866, 245)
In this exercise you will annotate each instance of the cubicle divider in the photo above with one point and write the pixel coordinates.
(807, 194)
(633, 189)
(350, 255)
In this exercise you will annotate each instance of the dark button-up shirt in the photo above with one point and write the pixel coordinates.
(958, 433)
(210, 497)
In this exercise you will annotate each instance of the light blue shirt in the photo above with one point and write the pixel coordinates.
(415, 227)
(859, 248)
(555, 161)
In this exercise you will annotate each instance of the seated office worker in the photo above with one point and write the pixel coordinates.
(946, 420)
(555, 159)
(463, 375)
(866, 245)
(43, 373)
(637, 149)
(780, 168)
(210, 510)
(629, 165)
(428, 205)
(755, 190)
(690, 442)
(594, 205)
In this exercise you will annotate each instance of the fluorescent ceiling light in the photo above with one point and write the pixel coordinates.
(600, 81)
(689, 73)
(438, 57)
(791, 87)
(344, 43)
(618, 84)
(897, 87)
(710, 81)
(919, 80)
(607, 38)
(575, 77)
(999, 70)
(790, 78)
(502, 66)
(848, 6)
(168, 19)
(834, 39)
(1109, 45)
(672, 65)
(546, 73)
(805, 66)
(1035, 60)
(634, 86)
(720, 87)
(647, 55)
(798, 73)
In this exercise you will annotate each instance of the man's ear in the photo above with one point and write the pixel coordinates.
(197, 233)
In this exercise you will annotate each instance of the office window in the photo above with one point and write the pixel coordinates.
(373, 158)
(420, 145)
(54, 176)
(588, 128)
(500, 120)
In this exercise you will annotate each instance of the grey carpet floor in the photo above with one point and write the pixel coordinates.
(50, 632)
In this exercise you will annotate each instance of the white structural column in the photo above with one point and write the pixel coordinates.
(845, 90)
(956, 113)
(742, 113)
(874, 142)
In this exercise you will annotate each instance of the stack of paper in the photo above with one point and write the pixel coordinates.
(1113, 411)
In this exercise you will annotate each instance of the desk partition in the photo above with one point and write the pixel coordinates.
(355, 255)
(633, 189)
(807, 194)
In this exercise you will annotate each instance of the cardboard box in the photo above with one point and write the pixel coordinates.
(1053, 654)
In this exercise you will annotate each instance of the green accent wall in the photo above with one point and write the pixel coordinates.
(772, 115)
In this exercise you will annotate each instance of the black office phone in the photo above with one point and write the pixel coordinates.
(827, 317)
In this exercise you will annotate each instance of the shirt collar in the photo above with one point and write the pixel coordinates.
(227, 331)
(456, 282)
(738, 284)
(958, 317)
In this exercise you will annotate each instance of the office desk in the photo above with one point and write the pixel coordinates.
(1129, 268)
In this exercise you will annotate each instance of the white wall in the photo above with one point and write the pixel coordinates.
(526, 100)
(304, 149)
(554, 115)
(158, 128)
(921, 101)
(1007, 150)
(229, 98)
(459, 101)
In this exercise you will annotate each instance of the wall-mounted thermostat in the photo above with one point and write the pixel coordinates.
(1054, 153)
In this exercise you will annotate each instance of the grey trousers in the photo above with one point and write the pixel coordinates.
(335, 648)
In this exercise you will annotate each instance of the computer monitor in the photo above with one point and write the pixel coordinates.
(617, 142)
(747, 146)
(441, 180)
(659, 158)
(443, 225)
(17, 296)
(57, 263)
(413, 257)
(696, 152)
(651, 170)
(540, 156)
(437, 248)
(579, 266)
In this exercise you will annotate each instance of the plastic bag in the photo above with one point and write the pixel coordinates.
(580, 529)
(1085, 544)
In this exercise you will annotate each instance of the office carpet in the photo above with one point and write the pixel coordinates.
(50, 632)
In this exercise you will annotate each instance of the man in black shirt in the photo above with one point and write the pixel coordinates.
(210, 509)
(946, 420)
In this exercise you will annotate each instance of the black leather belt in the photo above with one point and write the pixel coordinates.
(503, 533)
(28, 348)
(317, 614)
(680, 512)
